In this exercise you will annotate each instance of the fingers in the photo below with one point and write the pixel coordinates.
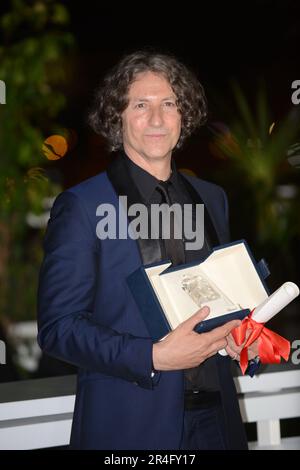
(224, 330)
(207, 344)
(228, 327)
(232, 353)
(253, 350)
(213, 348)
(191, 322)
(251, 355)
(233, 346)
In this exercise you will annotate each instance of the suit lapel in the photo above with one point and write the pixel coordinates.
(123, 184)
(211, 234)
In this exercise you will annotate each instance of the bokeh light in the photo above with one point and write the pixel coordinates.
(55, 147)
(271, 127)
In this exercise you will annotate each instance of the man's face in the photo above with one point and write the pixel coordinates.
(151, 121)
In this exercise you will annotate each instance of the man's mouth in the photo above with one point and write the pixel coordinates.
(155, 135)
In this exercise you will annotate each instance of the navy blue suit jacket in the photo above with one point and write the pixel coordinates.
(88, 317)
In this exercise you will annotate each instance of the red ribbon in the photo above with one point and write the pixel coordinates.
(271, 346)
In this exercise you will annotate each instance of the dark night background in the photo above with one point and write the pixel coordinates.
(253, 43)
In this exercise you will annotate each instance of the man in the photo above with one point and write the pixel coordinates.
(133, 394)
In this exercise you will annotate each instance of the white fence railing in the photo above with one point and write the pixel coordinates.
(35, 423)
(266, 399)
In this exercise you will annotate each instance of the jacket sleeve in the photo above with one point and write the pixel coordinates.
(67, 328)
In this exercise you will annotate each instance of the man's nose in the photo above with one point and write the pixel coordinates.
(156, 117)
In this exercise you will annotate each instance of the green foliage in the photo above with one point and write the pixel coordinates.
(33, 64)
(257, 150)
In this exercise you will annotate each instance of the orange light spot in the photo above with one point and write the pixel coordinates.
(55, 147)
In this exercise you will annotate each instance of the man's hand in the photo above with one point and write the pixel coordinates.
(183, 348)
(234, 351)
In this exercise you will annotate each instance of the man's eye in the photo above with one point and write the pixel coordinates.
(140, 105)
(169, 104)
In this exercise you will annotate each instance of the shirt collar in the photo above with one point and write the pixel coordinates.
(145, 182)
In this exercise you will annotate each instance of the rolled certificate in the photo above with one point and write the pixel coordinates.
(276, 302)
(273, 304)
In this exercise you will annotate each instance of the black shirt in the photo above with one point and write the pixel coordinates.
(204, 376)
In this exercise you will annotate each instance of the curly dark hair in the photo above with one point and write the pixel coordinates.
(111, 98)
